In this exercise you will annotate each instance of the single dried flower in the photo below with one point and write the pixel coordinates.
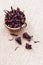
(28, 46)
(27, 36)
(18, 39)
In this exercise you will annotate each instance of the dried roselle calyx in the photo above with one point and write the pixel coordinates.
(18, 39)
(14, 18)
(27, 36)
(28, 46)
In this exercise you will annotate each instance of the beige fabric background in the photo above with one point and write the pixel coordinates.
(33, 10)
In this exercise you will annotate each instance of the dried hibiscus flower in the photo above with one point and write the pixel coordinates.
(18, 39)
(27, 36)
(36, 41)
(28, 46)
(14, 18)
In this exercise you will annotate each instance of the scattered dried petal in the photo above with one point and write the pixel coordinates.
(14, 34)
(18, 39)
(16, 48)
(36, 41)
(28, 46)
(11, 39)
(27, 36)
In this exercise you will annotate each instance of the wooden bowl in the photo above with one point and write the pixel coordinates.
(15, 29)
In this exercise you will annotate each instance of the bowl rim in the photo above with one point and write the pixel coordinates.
(24, 25)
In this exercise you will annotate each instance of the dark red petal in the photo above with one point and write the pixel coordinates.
(28, 46)
(18, 39)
